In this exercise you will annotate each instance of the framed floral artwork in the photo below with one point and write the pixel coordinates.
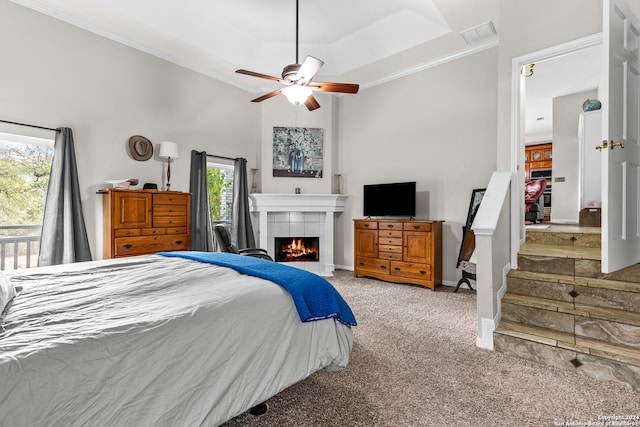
(297, 152)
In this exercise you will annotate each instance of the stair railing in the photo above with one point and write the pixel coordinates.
(491, 227)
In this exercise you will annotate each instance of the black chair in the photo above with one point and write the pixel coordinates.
(225, 245)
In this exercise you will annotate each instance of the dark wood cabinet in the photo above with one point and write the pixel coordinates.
(138, 222)
(402, 251)
(539, 156)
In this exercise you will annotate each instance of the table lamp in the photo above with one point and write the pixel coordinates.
(168, 150)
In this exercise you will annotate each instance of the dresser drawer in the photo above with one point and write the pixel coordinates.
(372, 225)
(176, 230)
(169, 210)
(388, 225)
(124, 232)
(426, 226)
(170, 221)
(395, 241)
(390, 233)
(393, 256)
(411, 270)
(169, 199)
(127, 246)
(390, 248)
(153, 231)
(372, 264)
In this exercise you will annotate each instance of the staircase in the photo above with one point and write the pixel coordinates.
(559, 309)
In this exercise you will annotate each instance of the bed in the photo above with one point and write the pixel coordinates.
(156, 340)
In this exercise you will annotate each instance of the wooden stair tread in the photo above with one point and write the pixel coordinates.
(538, 302)
(533, 333)
(558, 251)
(546, 277)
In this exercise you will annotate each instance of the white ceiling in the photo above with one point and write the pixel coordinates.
(361, 41)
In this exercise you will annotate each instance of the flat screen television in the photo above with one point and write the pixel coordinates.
(395, 199)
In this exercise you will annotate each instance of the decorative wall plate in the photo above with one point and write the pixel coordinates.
(140, 148)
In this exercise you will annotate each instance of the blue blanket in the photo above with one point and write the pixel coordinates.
(313, 296)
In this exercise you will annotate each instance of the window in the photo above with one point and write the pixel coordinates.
(25, 164)
(220, 178)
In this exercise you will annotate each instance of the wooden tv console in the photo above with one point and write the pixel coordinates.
(400, 251)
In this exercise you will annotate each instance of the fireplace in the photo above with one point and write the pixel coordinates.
(297, 249)
(304, 215)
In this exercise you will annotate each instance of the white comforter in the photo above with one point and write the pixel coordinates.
(152, 341)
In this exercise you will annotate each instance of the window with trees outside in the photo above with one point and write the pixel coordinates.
(220, 179)
(25, 164)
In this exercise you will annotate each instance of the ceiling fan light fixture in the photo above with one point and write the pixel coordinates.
(297, 94)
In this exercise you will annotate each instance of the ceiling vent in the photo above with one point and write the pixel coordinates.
(480, 32)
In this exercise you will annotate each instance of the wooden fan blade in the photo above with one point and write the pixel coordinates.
(262, 76)
(334, 87)
(311, 103)
(267, 96)
(310, 66)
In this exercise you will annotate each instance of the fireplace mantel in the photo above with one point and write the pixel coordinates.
(272, 207)
(298, 202)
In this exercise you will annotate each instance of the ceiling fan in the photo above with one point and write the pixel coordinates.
(297, 79)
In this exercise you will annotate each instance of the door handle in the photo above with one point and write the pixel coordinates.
(605, 144)
(616, 144)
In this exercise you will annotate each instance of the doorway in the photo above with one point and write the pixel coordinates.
(560, 70)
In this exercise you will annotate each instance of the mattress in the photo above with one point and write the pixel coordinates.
(153, 341)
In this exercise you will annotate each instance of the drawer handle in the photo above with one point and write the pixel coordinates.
(389, 225)
(178, 242)
(397, 269)
(384, 267)
(128, 246)
(416, 227)
(366, 226)
(423, 272)
(362, 264)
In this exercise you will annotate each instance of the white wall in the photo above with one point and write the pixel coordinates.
(278, 112)
(54, 74)
(436, 127)
(565, 206)
(527, 27)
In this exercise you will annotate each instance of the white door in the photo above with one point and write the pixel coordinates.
(620, 133)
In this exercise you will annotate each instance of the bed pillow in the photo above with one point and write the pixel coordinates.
(7, 292)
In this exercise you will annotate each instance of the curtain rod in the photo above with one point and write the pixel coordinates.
(223, 157)
(28, 125)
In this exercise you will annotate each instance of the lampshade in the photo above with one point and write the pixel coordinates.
(168, 149)
(297, 94)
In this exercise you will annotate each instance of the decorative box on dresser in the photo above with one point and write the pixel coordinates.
(401, 251)
(138, 222)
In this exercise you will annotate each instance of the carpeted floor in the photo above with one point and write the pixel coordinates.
(415, 363)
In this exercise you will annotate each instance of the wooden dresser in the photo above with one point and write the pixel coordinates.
(401, 251)
(140, 222)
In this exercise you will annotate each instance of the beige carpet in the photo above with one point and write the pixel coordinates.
(415, 363)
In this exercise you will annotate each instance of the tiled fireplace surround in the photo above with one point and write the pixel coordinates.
(298, 215)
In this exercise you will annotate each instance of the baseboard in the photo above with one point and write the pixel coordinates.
(487, 326)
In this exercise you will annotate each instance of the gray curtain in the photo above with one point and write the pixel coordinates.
(201, 226)
(64, 236)
(241, 229)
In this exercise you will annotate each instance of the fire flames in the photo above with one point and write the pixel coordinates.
(296, 250)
